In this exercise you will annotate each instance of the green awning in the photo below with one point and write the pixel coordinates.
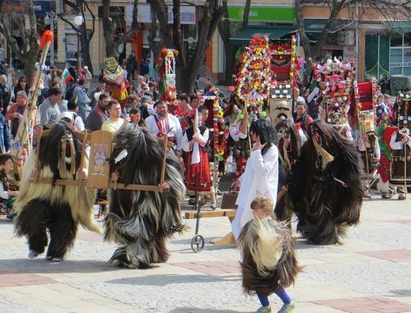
(273, 32)
(400, 26)
(312, 25)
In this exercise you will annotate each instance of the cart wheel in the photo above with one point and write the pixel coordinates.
(197, 243)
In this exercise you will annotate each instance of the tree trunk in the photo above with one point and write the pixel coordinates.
(186, 70)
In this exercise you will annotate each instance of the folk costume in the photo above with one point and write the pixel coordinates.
(116, 81)
(140, 222)
(260, 177)
(197, 170)
(290, 140)
(54, 209)
(395, 165)
(269, 263)
(169, 125)
(325, 188)
(369, 148)
(237, 143)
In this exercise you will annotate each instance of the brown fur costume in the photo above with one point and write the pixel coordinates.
(56, 208)
(141, 221)
(325, 189)
(269, 258)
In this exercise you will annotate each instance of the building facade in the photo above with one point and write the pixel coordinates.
(378, 46)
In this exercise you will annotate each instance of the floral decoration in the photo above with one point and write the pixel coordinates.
(254, 78)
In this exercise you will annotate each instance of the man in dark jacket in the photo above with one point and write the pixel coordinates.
(132, 65)
(5, 94)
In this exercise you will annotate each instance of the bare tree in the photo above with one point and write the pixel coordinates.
(225, 28)
(394, 10)
(187, 68)
(28, 50)
(113, 37)
(86, 34)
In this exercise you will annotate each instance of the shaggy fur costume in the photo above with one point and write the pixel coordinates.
(56, 208)
(289, 145)
(325, 188)
(141, 221)
(268, 253)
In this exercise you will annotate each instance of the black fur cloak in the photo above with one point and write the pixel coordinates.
(325, 188)
(141, 221)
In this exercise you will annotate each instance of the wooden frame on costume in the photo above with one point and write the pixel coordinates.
(100, 143)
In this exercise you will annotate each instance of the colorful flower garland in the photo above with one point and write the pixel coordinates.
(254, 78)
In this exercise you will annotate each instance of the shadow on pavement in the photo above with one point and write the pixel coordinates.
(165, 279)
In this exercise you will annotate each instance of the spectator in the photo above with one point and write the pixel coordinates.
(152, 89)
(132, 65)
(8, 187)
(58, 78)
(207, 81)
(72, 109)
(131, 103)
(83, 100)
(144, 67)
(88, 76)
(49, 109)
(5, 94)
(101, 88)
(135, 117)
(114, 122)
(146, 107)
(383, 110)
(301, 116)
(21, 85)
(384, 83)
(194, 101)
(5, 135)
(16, 111)
(3, 70)
(144, 89)
(99, 114)
(140, 83)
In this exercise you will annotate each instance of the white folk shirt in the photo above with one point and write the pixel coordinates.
(170, 124)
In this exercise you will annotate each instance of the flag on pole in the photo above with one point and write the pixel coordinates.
(67, 76)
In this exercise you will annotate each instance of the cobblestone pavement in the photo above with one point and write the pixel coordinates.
(369, 273)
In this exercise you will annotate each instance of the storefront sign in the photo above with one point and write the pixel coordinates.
(188, 14)
(40, 7)
(262, 14)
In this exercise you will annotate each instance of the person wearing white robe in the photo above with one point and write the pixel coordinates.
(261, 173)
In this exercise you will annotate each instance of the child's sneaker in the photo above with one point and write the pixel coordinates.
(33, 254)
(264, 309)
(287, 308)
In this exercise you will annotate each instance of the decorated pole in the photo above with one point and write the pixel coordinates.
(22, 140)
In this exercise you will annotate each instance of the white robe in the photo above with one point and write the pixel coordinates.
(259, 179)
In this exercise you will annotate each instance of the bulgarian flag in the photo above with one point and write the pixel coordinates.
(67, 76)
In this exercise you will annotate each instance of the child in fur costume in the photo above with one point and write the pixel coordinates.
(58, 209)
(268, 251)
(141, 221)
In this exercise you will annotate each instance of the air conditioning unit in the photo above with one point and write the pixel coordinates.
(346, 38)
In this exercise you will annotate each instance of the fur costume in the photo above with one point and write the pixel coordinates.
(56, 208)
(141, 221)
(325, 188)
(268, 253)
(290, 140)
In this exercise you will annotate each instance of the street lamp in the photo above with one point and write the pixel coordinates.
(78, 20)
